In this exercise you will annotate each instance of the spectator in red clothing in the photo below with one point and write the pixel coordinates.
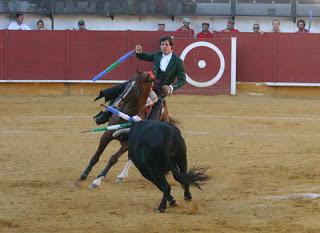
(301, 24)
(186, 26)
(161, 27)
(230, 27)
(205, 32)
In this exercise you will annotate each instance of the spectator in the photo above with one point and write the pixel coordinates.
(40, 25)
(18, 24)
(256, 29)
(275, 25)
(205, 31)
(230, 27)
(186, 26)
(82, 25)
(301, 24)
(161, 27)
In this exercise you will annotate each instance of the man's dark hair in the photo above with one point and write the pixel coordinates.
(40, 21)
(256, 25)
(168, 38)
(18, 14)
(301, 21)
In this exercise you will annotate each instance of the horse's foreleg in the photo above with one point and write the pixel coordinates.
(104, 141)
(112, 161)
(124, 173)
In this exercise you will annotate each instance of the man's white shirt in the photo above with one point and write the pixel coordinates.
(16, 26)
(164, 64)
(165, 61)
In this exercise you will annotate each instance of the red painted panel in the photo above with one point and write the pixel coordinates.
(58, 55)
(36, 55)
(255, 57)
(2, 55)
(90, 52)
(298, 58)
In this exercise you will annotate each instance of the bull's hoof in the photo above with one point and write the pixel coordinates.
(77, 184)
(188, 198)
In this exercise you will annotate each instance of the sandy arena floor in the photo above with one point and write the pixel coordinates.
(258, 149)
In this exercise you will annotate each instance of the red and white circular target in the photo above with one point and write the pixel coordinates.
(207, 64)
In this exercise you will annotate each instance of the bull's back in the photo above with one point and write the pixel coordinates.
(147, 133)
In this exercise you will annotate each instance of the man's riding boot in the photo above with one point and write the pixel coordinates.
(156, 110)
(102, 117)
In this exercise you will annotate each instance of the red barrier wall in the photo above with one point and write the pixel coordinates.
(75, 55)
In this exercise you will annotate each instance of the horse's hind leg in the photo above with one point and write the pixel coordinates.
(112, 161)
(124, 173)
(104, 141)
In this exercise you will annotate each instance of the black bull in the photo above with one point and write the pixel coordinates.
(156, 148)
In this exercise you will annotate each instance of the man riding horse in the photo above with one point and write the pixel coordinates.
(167, 67)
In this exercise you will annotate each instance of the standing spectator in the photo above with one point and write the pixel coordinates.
(40, 25)
(161, 27)
(256, 29)
(82, 25)
(18, 24)
(275, 25)
(205, 31)
(301, 24)
(230, 27)
(186, 26)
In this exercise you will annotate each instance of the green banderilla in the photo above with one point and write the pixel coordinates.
(109, 128)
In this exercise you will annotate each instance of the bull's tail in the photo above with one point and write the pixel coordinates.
(196, 176)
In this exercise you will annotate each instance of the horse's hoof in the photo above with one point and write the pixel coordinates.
(188, 198)
(173, 204)
(160, 210)
(120, 180)
(96, 183)
(77, 184)
(93, 186)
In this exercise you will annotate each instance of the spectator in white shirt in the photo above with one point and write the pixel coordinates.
(18, 24)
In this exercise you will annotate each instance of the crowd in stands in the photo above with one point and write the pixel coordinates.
(186, 22)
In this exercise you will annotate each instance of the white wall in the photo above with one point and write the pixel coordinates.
(143, 23)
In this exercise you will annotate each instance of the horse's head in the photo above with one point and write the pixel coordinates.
(137, 90)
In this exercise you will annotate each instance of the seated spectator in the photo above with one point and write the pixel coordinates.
(186, 26)
(275, 25)
(18, 24)
(301, 24)
(256, 28)
(161, 27)
(40, 25)
(82, 25)
(230, 27)
(205, 31)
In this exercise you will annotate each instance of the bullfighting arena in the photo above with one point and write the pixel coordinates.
(262, 153)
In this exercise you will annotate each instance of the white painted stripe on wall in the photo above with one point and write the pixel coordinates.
(283, 84)
(233, 65)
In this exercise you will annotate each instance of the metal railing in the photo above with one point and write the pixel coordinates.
(289, 8)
